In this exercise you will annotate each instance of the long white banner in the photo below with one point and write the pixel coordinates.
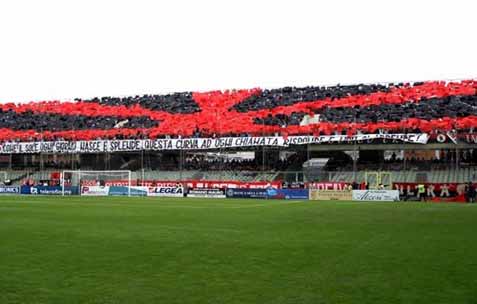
(95, 146)
(376, 195)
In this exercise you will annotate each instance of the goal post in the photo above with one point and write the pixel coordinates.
(3, 176)
(94, 183)
(376, 178)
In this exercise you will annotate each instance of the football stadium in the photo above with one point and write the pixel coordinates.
(321, 194)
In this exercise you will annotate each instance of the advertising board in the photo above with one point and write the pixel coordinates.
(206, 193)
(376, 195)
(330, 195)
(167, 191)
(9, 190)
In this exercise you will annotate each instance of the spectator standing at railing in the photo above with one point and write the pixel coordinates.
(421, 192)
(471, 193)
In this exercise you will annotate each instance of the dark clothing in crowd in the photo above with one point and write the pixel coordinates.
(470, 193)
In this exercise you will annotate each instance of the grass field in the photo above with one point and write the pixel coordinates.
(138, 250)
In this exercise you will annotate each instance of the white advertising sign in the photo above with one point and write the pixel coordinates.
(95, 190)
(166, 191)
(376, 195)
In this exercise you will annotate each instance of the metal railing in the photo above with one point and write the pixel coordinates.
(450, 175)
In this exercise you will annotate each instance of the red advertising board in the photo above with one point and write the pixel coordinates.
(453, 192)
(191, 184)
(327, 186)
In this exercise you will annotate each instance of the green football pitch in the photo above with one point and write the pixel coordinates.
(146, 250)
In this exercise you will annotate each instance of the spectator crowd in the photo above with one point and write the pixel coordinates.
(404, 107)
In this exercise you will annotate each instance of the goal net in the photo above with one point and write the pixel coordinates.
(96, 183)
(379, 180)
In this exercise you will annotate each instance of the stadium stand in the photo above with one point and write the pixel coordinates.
(404, 107)
(437, 108)
(433, 176)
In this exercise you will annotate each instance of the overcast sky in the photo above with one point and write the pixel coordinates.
(65, 49)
